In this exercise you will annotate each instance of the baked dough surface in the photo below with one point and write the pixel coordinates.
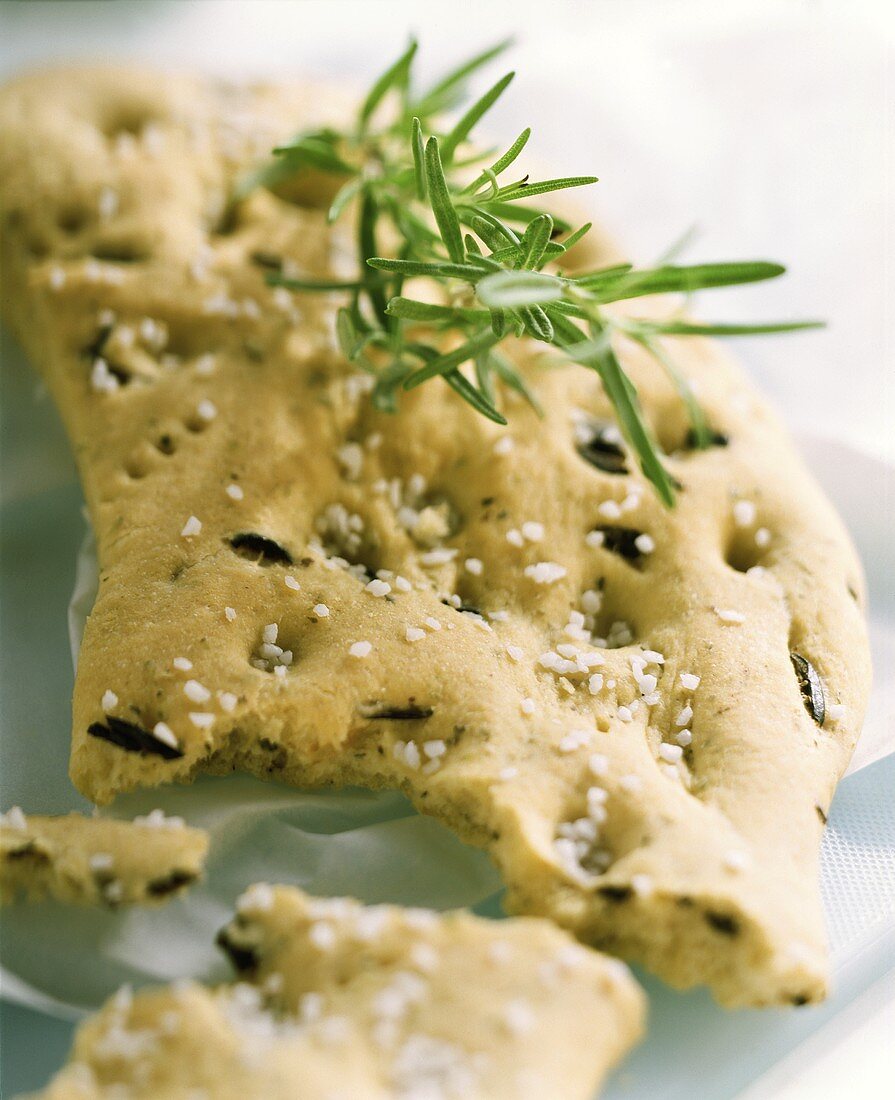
(619, 720)
(98, 861)
(343, 1001)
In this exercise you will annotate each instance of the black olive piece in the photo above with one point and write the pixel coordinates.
(810, 686)
(716, 439)
(723, 923)
(605, 454)
(621, 541)
(176, 880)
(821, 815)
(403, 714)
(615, 893)
(260, 548)
(244, 959)
(132, 738)
(268, 260)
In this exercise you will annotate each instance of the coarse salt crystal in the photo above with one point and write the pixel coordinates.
(684, 738)
(515, 652)
(163, 732)
(206, 410)
(192, 689)
(322, 936)
(690, 681)
(642, 885)
(101, 861)
(414, 634)
(434, 749)
(595, 683)
(474, 566)
(360, 649)
(440, 556)
(836, 711)
(683, 719)
(230, 614)
(610, 509)
(109, 700)
(545, 572)
(259, 897)
(736, 860)
(184, 664)
(507, 773)
(631, 783)
(321, 610)
(503, 446)
(57, 278)
(227, 700)
(532, 532)
(762, 537)
(527, 706)
(269, 633)
(205, 365)
(432, 623)
(378, 588)
(645, 544)
(626, 714)
(291, 582)
(670, 753)
(598, 763)
(744, 513)
(234, 492)
(201, 719)
(728, 615)
(514, 538)
(594, 539)
(192, 527)
(102, 379)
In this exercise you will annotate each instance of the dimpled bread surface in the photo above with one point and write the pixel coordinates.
(389, 1002)
(505, 623)
(96, 861)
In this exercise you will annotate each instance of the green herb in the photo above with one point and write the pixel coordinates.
(487, 255)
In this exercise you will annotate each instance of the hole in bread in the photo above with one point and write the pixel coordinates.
(165, 444)
(599, 442)
(119, 252)
(810, 686)
(346, 542)
(273, 652)
(600, 619)
(626, 542)
(136, 467)
(743, 552)
(72, 219)
(401, 712)
(259, 548)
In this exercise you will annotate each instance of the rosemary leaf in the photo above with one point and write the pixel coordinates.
(442, 206)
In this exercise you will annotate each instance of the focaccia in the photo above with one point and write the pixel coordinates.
(368, 1004)
(641, 712)
(98, 861)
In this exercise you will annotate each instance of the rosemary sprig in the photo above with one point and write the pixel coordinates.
(487, 255)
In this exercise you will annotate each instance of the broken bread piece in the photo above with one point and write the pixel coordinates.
(641, 712)
(343, 1000)
(98, 861)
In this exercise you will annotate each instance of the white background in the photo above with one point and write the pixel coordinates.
(768, 124)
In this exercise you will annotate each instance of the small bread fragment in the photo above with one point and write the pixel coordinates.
(342, 1000)
(97, 861)
(641, 712)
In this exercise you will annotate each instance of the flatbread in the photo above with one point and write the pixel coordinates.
(599, 690)
(380, 1002)
(98, 861)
